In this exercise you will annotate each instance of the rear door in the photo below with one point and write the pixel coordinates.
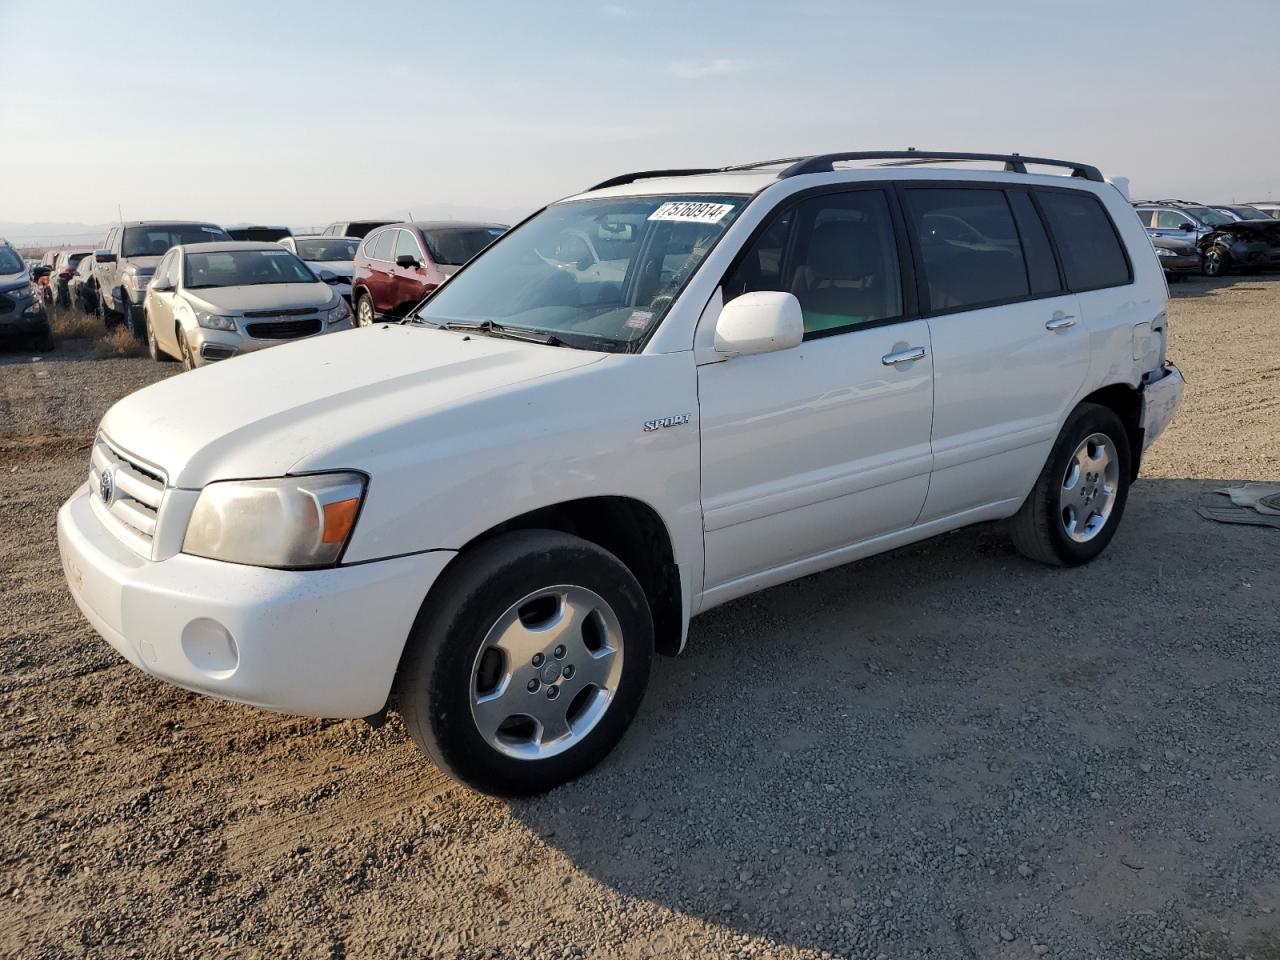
(379, 250)
(1009, 350)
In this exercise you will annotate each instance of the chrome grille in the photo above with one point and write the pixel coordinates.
(127, 494)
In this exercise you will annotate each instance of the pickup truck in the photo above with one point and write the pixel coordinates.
(128, 258)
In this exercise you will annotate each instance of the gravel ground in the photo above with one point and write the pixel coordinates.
(943, 752)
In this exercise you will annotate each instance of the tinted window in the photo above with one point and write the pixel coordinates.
(406, 246)
(1144, 217)
(837, 254)
(342, 248)
(454, 246)
(1042, 269)
(10, 262)
(969, 245)
(378, 246)
(154, 240)
(1092, 256)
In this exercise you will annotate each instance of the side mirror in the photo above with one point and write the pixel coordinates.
(408, 261)
(327, 276)
(41, 271)
(104, 256)
(162, 287)
(1186, 227)
(759, 322)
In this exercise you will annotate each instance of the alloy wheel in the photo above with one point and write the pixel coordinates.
(546, 673)
(1089, 488)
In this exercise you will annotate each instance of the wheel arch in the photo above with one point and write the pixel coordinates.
(1126, 402)
(633, 532)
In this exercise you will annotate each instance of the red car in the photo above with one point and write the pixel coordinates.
(397, 265)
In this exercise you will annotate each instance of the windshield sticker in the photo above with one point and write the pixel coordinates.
(691, 211)
(639, 319)
(211, 229)
(275, 253)
(496, 231)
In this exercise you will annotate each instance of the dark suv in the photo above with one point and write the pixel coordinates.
(398, 265)
(22, 310)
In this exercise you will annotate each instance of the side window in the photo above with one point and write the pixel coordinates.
(1171, 219)
(1145, 216)
(1092, 255)
(836, 252)
(378, 247)
(407, 245)
(970, 247)
(1042, 269)
(162, 271)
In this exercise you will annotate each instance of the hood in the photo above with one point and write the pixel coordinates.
(261, 296)
(339, 268)
(274, 411)
(1174, 243)
(142, 264)
(1253, 230)
(10, 280)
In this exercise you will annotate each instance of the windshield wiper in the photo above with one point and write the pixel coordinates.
(492, 328)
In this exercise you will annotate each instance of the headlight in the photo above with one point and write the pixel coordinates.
(339, 313)
(289, 522)
(21, 293)
(1165, 252)
(211, 321)
(137, 281)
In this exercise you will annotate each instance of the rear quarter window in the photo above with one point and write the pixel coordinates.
(1092, 255)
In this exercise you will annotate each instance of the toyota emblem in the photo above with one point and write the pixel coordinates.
(106, 487)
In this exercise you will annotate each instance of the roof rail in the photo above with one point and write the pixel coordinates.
(1013, 162)
(625, 178)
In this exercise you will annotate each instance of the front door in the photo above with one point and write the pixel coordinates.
(809, 450)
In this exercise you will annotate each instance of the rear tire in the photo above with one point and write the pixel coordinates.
(538, 602)
(1075, 507)
(366, 316)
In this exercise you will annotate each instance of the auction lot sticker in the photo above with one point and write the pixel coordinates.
(691, 211)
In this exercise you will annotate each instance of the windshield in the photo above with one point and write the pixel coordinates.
(601, 271)
(454, 246)
(1249, 213)
(10, 262)
(1214, 218)
(244, 268)
(155, 239)
(328, 248)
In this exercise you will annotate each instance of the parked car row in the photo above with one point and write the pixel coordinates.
(23, 314)
(1219, 237)
(200, 293)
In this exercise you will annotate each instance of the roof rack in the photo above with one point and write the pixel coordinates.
(625, 178)
(1013, 162)
(1168, 203)
(825, 163)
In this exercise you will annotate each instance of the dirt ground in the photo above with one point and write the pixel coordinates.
(944, 752)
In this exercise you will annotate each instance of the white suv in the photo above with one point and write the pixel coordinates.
(669, 391)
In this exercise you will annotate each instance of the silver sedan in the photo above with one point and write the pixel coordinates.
(211, 301)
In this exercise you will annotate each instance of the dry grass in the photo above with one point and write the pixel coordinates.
(118, 342)
(75, 326)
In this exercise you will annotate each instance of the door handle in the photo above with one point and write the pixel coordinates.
(903, 356)
(1060, 321)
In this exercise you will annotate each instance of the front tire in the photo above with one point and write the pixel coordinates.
(184, 351)
(1075, 507)
(1216, 262)
(527, 662)
(153, 348)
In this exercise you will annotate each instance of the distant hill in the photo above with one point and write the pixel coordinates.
(88, 234)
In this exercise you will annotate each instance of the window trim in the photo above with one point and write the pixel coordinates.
(1124, 249)
(906, 262)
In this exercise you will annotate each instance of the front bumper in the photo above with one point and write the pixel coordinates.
(1180, 265)
(1160, 398)
(211, 345)
(24, 317)
(322, 643)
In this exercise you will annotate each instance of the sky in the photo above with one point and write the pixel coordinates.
(276, 111)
